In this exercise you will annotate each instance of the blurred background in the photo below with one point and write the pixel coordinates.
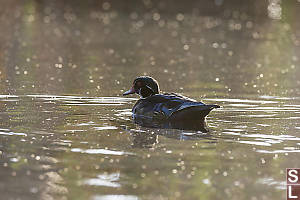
(98, 47)
(65, 132)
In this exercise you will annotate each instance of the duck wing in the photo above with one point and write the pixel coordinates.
(192, 111)
(158, 106)
(171, 106)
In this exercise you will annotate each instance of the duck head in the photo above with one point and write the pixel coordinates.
(144, 86)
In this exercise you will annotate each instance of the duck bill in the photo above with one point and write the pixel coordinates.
(131, 91)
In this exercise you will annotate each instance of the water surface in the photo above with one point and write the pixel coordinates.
(66, 132)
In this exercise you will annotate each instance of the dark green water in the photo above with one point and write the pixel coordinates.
(66, 132)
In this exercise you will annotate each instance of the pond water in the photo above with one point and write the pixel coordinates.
(67, 133)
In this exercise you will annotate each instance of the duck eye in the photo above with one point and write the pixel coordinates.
(138, 85)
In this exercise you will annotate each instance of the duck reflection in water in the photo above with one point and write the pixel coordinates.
(148, 137)
(144, 139)
(171, 111)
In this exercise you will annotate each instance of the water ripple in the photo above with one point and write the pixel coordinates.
(101, 151)
(115, 197)
(12, 133)
(107, 180)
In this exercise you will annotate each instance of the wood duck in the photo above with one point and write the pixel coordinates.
(159, 107)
